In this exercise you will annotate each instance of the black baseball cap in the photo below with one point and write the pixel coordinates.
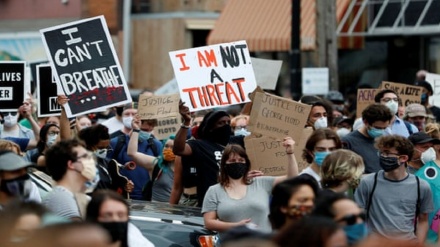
(422, 137)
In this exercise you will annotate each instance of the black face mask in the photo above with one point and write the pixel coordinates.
(117, 230)
(389, 163)
(220, 135)
(236, 170)
(18, 187)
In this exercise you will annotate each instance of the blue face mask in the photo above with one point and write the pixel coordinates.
(320, 156)
(241, 132)
(143, 135)
(355, 232)
(374, 133)
(424, 97)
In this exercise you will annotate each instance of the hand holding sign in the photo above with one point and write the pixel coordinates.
(62, 100)
(136, 123)
(289, 144)
(184, 112)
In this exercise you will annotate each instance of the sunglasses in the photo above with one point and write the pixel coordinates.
(351, 219)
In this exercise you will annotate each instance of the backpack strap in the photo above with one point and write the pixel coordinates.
(153, 146)
(119, 145)
(417, 205)
(408, 126)
(370, 197)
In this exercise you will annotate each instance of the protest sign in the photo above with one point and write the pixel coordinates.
(85, 65)
(277, 117)
(158, 106)
(408, 94)
(434, 80)
(12, 89)
(168, 88)
(214, 76)
(46, 92)
(266, 72)
(365, 97)
(166, 127)
(33, 67)
(269, 156)
(315, 81)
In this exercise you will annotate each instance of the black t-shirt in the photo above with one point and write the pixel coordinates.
(189, 172)
(105, 181)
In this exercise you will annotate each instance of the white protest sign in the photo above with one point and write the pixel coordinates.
(434, 80)
(168, 88)
(266, 72)
(214, 76)
(315, 81)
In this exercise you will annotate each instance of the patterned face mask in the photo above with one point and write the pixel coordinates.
(299, 211)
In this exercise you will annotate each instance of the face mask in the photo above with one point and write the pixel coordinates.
(241, 132)
(10, 120)
(428, 155)
(101, 153)
(393, 106)
(342, 132)
(236, 170)
(339, 108)
(18, 187)
(144, 135)
(355, 233)
(321, 123)
(320, 156)
(89, 169)
(91, 185)
(51, 139)
(423, 98)
(168, 154)
(354, 183)
(299, 211)
(220, 135)
(374, 133)
(389, 163)
(117, 230)
(127, 122)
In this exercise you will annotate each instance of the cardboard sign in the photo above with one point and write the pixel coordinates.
(85, 65)
(46, 92)
(365, 97)
(434, 80)
(214, 76)
(158, 106)
(269, 156)
(266, 72)
(12, 79)
(166, 127)
(315, 81)
(408, 94)
(277, 117)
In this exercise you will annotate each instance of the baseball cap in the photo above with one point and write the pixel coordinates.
(422, 137)
(426, 85)
(9, 161)
(415, 110)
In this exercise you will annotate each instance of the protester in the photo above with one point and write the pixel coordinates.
(338, 102)
(320, 144)
(82, 122)
(11, 128)
(343, 126)
(416, 114)
(128, 112)
(239, 125)
(426, 93)
(393, 198)
(376, 118)
(52, 120)
(237, 199)
(49, 135)
(320, 115)
(110, 210)
(292, 199)
(423, 145)
(115, 123)
(6, 145)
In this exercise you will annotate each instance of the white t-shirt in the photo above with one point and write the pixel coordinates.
(312, 173)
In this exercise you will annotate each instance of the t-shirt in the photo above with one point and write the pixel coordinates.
(363, 146)
(162, 186)
(393, 206)
(430, 173)
(312, 173)
(61, 202)
(254, 205)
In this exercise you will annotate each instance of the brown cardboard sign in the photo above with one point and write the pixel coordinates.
(277, 117)
(158, 106)
(408, 94)
(365, 97)
(166, 127)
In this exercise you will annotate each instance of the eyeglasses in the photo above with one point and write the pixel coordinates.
(88, 155)
(389, 99)
(351, 219)
(53, 133)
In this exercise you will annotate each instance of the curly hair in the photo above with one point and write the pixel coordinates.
(381, 93)
(433, 130)
(59, 155)
(401, 144)
(339, 166)
(92, 135)
(315, 137)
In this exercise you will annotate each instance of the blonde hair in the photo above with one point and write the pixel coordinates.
(12, 146)
(433, 130)
(235, 119)
(339, 166)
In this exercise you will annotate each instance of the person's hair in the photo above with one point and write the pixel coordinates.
(208, 123)
(339, 166)
(43, 136)
(381, 93)
(328, 106)
(59, 155)
(235, 119)
(282, 193)
(10, 146)
(376, 112)
(233, 149)
(433, 130)
(152, 122)
(309, 99)
(324, 205)
(401, 144)
(98, 198)
(317, 136)
(307, 232)
(165, 166)
(93, 135)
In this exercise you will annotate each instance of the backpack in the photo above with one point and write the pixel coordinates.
(417, 205)
(147, 191)
(408, 127)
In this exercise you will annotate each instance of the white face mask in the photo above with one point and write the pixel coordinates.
(127, 122)
(10, 121)
(393, 106)
(321, 123)
(428, 155)
(342, 132)
(242, 132)
(89, 169)
(51, 139)
(101, 153)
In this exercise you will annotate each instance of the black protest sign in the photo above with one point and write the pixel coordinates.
(85, 65)
(11, 85)
(46, 92)
(33, 67)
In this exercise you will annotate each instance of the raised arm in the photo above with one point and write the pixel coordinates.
(26, 111)
(292, 165)
(180, 146)
(139, 158)
(177, 190)
(64, 121)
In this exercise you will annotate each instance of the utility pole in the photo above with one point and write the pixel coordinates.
(295, 52)
(327, 40)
